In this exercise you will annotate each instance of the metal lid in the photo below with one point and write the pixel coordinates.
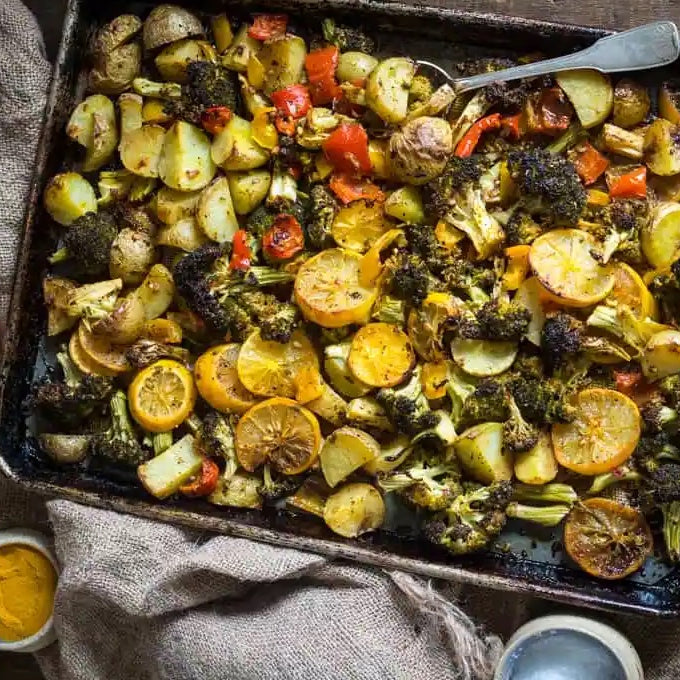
(563, 647)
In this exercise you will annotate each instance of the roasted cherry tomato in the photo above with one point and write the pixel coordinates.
(284, 238)
(240, 251)
(215, 119)
(268, 26)
(205, 483)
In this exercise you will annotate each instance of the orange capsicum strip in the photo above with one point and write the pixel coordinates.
(348, 189)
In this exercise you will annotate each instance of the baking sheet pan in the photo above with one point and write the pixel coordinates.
(535, 564)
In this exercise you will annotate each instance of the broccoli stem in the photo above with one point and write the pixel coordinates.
(119, 413)
(607, 479)
(72, 374)
(573, 135)
(60, 255)
(193, 424)
(390, 310)
(547, 516)
(671, 529)
(267, 276)
(548, 493)
(161, 442)
(149, 88)
(283, 188)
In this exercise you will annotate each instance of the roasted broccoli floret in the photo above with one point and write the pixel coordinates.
(208, 84)
(427, 480)
(145, 352)
(277, 486)
(498, 319)
(439, 194)
(231, 301)
(93, 301)
(408, 278)
(75, 399)
(521, 229)
(345, 38)
(563, 337)
(657, 416)
(510, 95)
(470, 281)
(407, 407)
(670, 389)
(390, 310)
(322, 212)
(665, 288)
(119, 443)
(621, 322)
(548, 184)
(486, 403)
(472, 520)
(518, 434)
(543, 401)
(421, 89)
(87, 244)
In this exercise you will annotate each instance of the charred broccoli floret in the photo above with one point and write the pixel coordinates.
(439, 194)
(521, 229)
(657, 416)
(75, 399)
(470, 281)
(549, 185)
(427, 480)
(472, 520)
(409, 278)
(87, 244)
(322, 211)
(511, 95)
(276, 486)
(670, 389)
(208, 84)
(231, 301)
(421, 89)
(263, 217)
(345, 38)
(518, 434)
(487, 403)
(560, 337)
(119, 443)
(497, 319)
(145, 352)
(542, 401)
(407, 407)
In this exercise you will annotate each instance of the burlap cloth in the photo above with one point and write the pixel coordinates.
(140, 600)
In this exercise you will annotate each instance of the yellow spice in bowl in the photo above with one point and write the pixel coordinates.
(28, 582)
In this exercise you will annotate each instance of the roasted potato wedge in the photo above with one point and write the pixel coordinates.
(215, 212)
(132, 254)
(480, 451)
(631, 103)
(387, 88)
(93, 126)
(171, 206)
(355, 66)
(344, 451)
(248, 189)
(240, 50)
(156, 291)
(538, 465)
(283, 60)
(69, 196)
(173, 60)
(354, 510)
(185, 235)
(235, 149)
(590, 93)
(185, 162)
(163, 475)
(662, 355)
(124, 324)
(662, 148)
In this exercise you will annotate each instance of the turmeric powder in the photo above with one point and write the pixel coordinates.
(28, 582)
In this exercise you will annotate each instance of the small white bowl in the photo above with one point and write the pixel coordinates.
(46, 635)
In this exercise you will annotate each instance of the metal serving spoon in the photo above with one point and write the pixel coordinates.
(649, 46)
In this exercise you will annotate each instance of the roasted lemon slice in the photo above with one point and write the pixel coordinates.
(629, 289)
(381, 355)
(162, 396)
(83, 361)
(102, 352)
(270, 369)
(358, 225)
(218, 382)
(281, 432)
(602, 435)
(562, 261)
(328, 291)
(607, 539)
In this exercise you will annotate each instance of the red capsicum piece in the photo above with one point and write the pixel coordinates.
(215, 119)
(628, 381)
(205, 483)
(321, 65)
(240, 251)
(283, 239)
(513, 126)
(589, 163)
(470, 140)
(348, 189)
(346, 149)
(292, 102)
(631, 185)
(268, 26)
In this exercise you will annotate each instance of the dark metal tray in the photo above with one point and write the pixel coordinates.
(535, 565)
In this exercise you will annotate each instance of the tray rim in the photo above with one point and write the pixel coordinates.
(459, 573)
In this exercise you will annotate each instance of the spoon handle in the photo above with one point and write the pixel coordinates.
(649, 46)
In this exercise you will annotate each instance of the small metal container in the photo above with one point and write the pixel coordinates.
(563, 647)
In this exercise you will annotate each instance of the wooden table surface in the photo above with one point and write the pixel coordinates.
(602, 13)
